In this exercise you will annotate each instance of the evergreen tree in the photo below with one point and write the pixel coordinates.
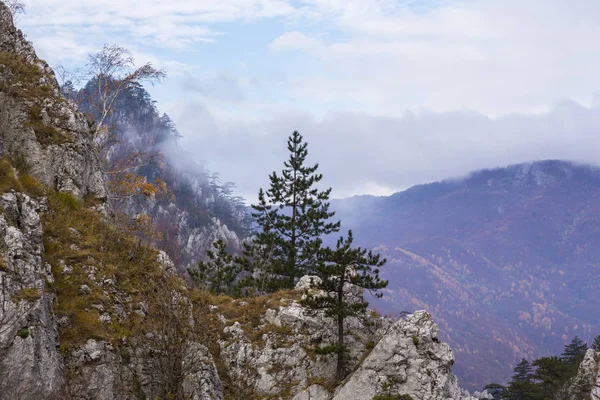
(292, 215)
(574, 352)
(596, 344)
(521, 386)
(217, 275)
(551, 374)
(336, 268)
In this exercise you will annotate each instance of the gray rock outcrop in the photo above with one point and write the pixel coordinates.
(405, 357)
(69, 164)
(30, 365)
(409, 359)
(586, 384)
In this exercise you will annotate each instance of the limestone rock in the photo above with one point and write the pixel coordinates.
(586, 384)
(409, 359)
(71, 166)
(30, 366)
(313, 392)
(285, 359)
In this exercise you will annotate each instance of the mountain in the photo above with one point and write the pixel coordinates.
(506, 260)
(198, 209)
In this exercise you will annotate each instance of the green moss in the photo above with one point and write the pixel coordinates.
(394, 397)
(23, 333)
(415, 340)
(325, 350)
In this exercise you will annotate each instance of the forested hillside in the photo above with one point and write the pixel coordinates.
(507, 260)
(195, 208)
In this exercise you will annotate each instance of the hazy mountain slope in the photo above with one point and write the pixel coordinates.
(200, 209)
(507, 260)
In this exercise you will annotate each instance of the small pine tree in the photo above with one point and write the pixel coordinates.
(596, 344)
(217, 275)
(521, 386)
(336, 268)
(292, 215)
(574, 352)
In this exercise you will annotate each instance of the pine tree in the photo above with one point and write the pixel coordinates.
(521, 386)
(217, 275)
(337, 268)
(596, 344)
(550, 375)
(574, 352)
(292, 215)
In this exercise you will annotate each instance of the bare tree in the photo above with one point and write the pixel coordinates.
(114, 71)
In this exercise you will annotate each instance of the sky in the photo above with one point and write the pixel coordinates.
(387, 93)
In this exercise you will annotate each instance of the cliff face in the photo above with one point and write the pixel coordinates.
(37, 124)
(586, 384)
(30, 365)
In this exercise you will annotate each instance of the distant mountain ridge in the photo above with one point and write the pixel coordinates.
(507, 260)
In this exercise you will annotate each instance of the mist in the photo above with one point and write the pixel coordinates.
(365, 154)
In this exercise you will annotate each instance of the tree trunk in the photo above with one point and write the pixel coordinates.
(340, 320)
(340, 350)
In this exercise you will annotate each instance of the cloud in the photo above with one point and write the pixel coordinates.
(496, 57)
(359, 153)
(215, 85)
(174, 24)
(296, 41)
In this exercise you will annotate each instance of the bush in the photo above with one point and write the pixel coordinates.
(415, 340)
(23, 333)
(68, 200)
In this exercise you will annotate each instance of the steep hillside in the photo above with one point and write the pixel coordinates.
(198, 208)
(506, 260)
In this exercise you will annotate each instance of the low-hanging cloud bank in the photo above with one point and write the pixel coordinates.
(361, 154)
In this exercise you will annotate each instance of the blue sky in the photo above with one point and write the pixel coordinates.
(389, 93)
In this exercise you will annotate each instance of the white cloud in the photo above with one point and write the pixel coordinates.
(360, 154)
(496, 57)
(296, 41)
(173, 24)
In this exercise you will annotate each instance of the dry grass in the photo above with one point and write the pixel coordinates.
(8, 179)
(249, 312)
(29, 83)
(27, 294)
(97, 247)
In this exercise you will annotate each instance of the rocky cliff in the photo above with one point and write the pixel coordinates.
(36, 122)
(586, 384)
